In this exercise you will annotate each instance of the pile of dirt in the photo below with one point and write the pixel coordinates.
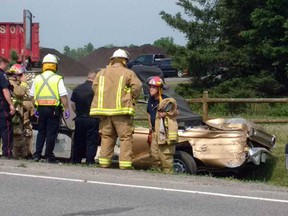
(99, 58)
(67, 66)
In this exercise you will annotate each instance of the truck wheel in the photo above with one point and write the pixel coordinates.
(184, 163)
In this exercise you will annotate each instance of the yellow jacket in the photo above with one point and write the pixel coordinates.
(167, 128)
(18, 93)
(116, 88)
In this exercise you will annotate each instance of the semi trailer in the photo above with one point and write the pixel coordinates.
(12, 38)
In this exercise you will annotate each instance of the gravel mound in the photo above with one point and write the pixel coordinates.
(67, 66)
(99, 58)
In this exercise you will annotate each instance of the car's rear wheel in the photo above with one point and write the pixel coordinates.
(184, 163)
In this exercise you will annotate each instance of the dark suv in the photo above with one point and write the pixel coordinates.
(147, 59)
(166, 66)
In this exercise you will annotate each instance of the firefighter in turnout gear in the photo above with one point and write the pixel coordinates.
(28, 114)
(19, 87)
(50, 98)
(116, 89)
(162, 112)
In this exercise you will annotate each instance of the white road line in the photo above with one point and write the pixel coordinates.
(147, 187)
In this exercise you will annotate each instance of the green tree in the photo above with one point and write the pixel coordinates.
(89, 48)
(254, 35)
(201, 31)
(167, 43)
(79, 52)
(14, 58)
(250, 37)
(67, 50)
(109, 46)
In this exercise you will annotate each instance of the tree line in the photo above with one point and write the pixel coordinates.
(247, 38)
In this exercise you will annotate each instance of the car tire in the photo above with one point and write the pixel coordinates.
(180, 73)
(286, 149)
(184, 163)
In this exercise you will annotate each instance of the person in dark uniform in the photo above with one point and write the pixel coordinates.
(86, 135)
(7, 110)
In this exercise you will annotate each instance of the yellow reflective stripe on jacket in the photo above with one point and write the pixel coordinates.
(101, 91)
(172, 135)
(17, 100)
(47, 102)
(24, 84)
(112, 112)
(127, 89)
(125, 164)
(104, 161)
(119, 93)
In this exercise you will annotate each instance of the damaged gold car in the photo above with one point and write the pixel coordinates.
(218, 144)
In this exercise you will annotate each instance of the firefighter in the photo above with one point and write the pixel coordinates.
(28, 131)
(163, 126)
(50, 98)
(18, 81)
(115, 90)
(28, 114)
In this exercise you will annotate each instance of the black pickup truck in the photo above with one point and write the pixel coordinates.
(146, 59)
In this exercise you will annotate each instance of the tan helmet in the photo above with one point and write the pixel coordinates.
(120, 53)
(50, 58)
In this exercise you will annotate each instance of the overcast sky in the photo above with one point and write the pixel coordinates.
(102, 22)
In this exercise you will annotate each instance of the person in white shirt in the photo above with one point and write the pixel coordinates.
(51, 99)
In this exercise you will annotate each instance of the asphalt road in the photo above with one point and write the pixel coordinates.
(29, 188)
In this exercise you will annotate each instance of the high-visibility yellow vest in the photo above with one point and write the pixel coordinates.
(46, 89)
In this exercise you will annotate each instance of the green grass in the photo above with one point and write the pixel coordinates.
(274, 172)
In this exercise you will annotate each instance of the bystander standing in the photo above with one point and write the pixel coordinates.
(86, 134)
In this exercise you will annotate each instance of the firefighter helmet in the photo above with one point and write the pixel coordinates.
(50, 58)
(156, 81)
(120, 53)
(17, 69)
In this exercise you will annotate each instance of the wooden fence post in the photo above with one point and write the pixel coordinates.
(205, 106)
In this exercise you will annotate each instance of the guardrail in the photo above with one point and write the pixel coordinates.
(205, 100)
